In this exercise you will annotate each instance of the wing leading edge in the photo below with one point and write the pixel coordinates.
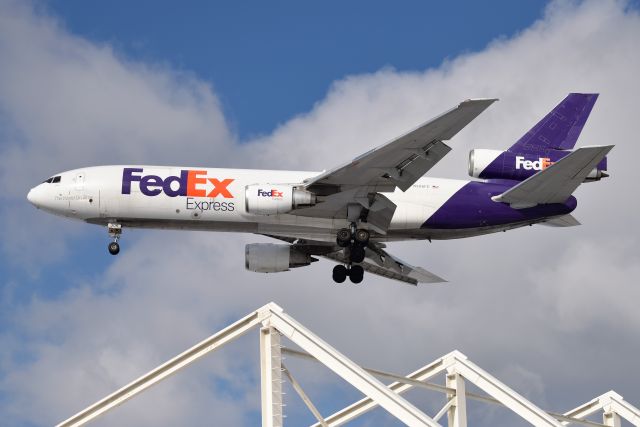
(352, 191)
(401, 162)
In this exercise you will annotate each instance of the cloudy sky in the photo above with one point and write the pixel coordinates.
(552, 312)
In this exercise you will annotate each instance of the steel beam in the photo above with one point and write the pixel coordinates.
(271, 377)
(352, 373)
(457, 413)
(189, 356)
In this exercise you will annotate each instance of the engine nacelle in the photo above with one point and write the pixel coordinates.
(273, 199)
(496, 164)
(273, 258)
(480, 158)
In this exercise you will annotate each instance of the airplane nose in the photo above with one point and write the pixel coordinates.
(33, 198)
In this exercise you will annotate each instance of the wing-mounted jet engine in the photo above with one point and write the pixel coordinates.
(273, 258)
(274, 199)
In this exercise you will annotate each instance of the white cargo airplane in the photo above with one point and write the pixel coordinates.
(347, 214)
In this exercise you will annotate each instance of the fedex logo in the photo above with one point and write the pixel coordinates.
(540, 164)
(271, 193)
(192, 183)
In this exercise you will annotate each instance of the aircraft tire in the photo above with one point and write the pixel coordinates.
(339, 273)
(343, 237)
(356, 273)
(357, 253)
(362, 236)
(114, 248)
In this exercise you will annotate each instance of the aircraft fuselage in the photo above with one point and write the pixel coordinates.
(189, 198)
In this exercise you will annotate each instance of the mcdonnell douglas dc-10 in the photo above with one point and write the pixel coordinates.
(348, 213)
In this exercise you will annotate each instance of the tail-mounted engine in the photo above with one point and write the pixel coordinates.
(273, 199)
(273, 258)
(496, 164)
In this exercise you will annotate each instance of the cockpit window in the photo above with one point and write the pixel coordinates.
(53, 180)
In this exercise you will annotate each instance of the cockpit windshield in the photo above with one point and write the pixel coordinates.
(53, 180)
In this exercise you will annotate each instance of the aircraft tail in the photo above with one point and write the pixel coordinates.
(560, 128)
(545, 144)
(555, 183)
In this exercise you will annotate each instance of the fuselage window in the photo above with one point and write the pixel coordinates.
(53, 180)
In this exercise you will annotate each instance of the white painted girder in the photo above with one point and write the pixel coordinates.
(500, 391)
(271, 377)
(457, 363)
(204, 347)
(349, 371)
(611, 403)
(458, 368)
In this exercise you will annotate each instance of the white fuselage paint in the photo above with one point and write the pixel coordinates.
(94, 194)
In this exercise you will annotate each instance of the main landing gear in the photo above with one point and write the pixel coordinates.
(354, 241)
(115, 230)
(355, 273)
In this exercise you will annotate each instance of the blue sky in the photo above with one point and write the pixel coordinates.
(269, 61)
(293, 85)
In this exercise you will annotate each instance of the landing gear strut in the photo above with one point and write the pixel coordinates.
(115, 230)
(355, 240)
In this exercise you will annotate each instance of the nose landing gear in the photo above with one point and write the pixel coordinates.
(115, 230)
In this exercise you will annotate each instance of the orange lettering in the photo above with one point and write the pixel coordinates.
(193, 181)
(220, 188)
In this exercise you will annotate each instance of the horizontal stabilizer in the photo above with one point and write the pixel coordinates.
(557, 182)
(562, 221)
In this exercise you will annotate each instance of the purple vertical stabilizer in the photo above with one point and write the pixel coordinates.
(561, 127)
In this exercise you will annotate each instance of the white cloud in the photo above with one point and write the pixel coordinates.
(539, 301)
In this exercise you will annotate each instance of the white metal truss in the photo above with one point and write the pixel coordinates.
(275, 324)
(613, 407)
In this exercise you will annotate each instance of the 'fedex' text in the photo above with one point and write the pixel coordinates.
(191, 183)
(270, 193)
(540, 164)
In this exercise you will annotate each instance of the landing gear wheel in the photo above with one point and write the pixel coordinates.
(362, 236)
(356, 273)
(115, 231)
(339, 273)
(357, 253)
(343, 238)
(114, 248)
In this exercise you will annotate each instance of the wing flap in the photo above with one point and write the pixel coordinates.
(562, 221)
(381, 263)
(556, 183)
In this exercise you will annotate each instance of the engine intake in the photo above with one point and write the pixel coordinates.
(273, 199)
(273, 258)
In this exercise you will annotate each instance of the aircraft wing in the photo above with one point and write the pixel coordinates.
(555, 183)
(352, 190)
(380, 262)
(377, 260)
(401, 162)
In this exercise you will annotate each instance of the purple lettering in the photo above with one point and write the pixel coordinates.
(148, 182)
(128, 177)
(182, 185)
